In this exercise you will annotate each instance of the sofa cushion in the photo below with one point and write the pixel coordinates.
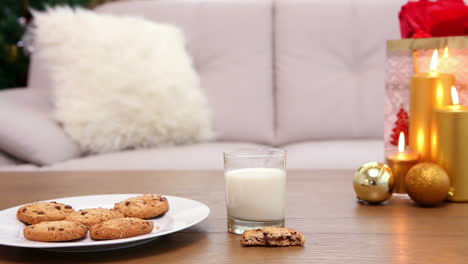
(205, 156)
(6, 160)
(19, 167)
(208, 156)
(329, 61)
(230, 42)
(333, 154)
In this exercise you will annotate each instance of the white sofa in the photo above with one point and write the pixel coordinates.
(306, 76)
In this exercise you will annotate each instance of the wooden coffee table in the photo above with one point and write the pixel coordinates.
(320, 204)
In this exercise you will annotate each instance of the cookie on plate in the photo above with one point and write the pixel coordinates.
(272, 236)
(54, 231)
(121, 228)
(145, 206)
(90, 217)
(40, 212)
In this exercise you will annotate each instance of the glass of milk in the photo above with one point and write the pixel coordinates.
(255, 188)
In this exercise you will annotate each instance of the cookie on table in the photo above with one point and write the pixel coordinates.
(145, 206)
(273, 236)
(121, 228)
(90, 217)
(40, 212)
(55, 231)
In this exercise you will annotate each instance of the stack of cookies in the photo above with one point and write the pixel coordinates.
(52, 221)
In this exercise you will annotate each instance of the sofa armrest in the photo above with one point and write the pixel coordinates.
(27, 131)
(6, 160)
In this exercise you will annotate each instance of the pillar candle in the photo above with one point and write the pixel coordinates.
(429, 91)
(452, 151)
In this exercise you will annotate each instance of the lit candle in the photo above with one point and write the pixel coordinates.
(429, 91)
(400, 163)
(452, 151)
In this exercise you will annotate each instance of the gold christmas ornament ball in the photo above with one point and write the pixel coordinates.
(373, 182)
(427, 184)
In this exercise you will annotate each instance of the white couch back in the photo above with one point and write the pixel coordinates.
(231, 47)
(330, 66)
(281, 71)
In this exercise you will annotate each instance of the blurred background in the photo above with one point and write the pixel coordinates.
(16, 36)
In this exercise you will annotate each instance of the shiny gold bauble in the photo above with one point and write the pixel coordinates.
(373, 182)
(427, 184)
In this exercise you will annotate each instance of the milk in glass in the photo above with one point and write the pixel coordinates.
(256, 194)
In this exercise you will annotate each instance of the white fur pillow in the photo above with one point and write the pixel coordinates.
(121, 82)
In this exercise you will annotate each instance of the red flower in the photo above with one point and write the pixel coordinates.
(442, 18)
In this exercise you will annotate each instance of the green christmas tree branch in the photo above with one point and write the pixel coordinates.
(14, 62)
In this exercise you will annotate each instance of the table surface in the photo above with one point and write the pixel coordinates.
(321, 204)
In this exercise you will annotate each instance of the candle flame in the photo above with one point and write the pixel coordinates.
(434, 60)
(401, 142)
(455, 99)
(446, 52)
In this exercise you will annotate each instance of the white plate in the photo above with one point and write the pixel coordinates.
(182, 214)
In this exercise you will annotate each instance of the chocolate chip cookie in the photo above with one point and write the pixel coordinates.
(53, 231)
(90, 217)
(272, 236)
(145, 206)
(121, 228)
(40, 212)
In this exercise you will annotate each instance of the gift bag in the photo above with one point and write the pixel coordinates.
(405, 57)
